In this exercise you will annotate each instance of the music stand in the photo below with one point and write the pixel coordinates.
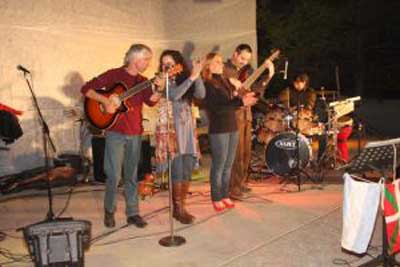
(380, 156)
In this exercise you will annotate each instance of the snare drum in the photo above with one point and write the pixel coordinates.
(306, 123)
(281, 153)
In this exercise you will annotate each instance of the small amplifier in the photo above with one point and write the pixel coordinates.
(58, 243)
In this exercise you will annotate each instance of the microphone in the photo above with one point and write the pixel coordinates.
(286, 69)
(322, 93)
(167, 67)
(23, 69)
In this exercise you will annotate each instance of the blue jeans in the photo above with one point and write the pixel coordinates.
(121, 156)
(182, 167)
(223, 152)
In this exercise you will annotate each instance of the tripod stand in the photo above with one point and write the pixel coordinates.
(338, 130)
(327, 149)
(46, 141)
(296, 165)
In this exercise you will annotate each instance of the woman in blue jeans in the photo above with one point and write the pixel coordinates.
(221, 101)
(183, 89)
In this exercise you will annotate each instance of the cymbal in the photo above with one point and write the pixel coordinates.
(325, 92)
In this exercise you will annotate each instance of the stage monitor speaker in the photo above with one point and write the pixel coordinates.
(59, 243)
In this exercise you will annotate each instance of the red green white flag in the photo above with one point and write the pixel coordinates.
(391, 204)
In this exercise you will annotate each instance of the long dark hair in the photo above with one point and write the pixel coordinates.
(181, 77)
(217, 80)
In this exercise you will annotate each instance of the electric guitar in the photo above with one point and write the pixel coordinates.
(95, 111)
(245, 87)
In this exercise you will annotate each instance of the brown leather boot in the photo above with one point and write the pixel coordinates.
(184, 192)
(176, 198)
(179, 211)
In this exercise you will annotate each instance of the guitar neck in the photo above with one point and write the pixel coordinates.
(136, 89)
(257, 73)
(146, 84)
(254, 76)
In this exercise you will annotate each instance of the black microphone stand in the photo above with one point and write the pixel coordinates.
(297, 157)
(297, 172)
(46, 141)
(323, 139)
(171, 240)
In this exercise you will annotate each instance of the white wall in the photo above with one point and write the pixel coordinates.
(67, 42)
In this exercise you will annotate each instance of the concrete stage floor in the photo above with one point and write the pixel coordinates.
(275, 226)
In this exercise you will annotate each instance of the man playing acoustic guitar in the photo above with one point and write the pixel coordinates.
(123, 136)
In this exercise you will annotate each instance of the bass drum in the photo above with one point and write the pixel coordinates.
(280, 154)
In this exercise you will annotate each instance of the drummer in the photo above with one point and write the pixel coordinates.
(300, 94)
(300, 99)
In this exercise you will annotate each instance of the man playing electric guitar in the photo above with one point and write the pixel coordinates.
(123, 137)
(239, 73)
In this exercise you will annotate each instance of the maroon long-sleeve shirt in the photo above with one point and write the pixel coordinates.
(130, 122)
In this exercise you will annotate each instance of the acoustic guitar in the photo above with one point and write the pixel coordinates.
(95, 111)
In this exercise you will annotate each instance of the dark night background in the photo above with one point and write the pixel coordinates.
(360, 38)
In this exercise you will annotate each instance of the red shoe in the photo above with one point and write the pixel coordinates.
(218, 206)
(228, 203)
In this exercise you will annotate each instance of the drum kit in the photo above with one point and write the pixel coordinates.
(284, 153)
(277, 132)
